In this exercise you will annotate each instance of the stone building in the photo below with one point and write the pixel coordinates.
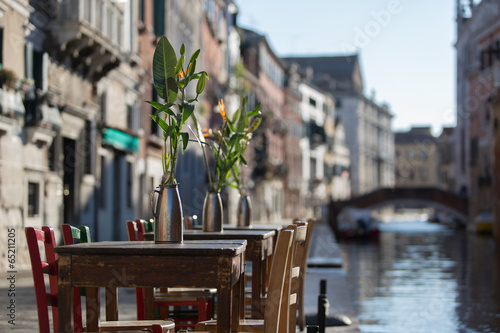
(294, 198)
(264, 77)
(417, 158)
(340, 187)
(478, 45)
(446, 146)
(370, 140)
(317, 113)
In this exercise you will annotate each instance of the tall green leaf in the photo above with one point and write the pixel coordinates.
(164, 61)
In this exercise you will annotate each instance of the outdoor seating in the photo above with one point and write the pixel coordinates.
(82, 233)
(279, 297)
(197, 302)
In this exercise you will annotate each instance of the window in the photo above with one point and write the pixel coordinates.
(102, 189)
(159, 17)
(312, 102)
(141, 10)
(33, 199)
(1, 47)
(130, 116)
(103, 107)
(87, 147)
(129, 184)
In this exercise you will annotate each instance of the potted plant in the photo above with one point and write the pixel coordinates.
(171, 78)
(227, 146)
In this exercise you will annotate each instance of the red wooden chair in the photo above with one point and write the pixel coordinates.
(45, 299)
(199, 300)
(40, 267)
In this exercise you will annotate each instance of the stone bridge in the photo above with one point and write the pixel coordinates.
(428, 196)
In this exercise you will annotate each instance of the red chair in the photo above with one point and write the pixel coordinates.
(200, 300)
(40, 267)
(45, 299)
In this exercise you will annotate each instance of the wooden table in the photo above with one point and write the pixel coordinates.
(259, 248)
(207, 264)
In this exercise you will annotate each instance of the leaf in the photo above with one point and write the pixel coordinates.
(200, 86)
(185, 140)
(236, 116)
(187, 112)
(199, 133)
(192, 67)
(255, 124)
(156, 105)
(255, 112)
(164, 61)
(195, 56)
(163, 108)
(242, 159)
(172, 90)
(167, 130)
(183, 49)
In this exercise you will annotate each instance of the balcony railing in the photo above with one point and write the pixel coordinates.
(92, 34)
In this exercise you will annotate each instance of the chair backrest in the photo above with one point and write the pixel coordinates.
(301, 317)
(80, 233)
(188, 222)
(279, 276)
(298, 250)
(136, 230)
(40, 267)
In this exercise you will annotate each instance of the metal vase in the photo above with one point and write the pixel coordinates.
(168, 215)
(212, 212)
(244, 211)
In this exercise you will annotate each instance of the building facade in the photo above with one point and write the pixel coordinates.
(370, 140)
(417, 158)
(265, 78)
(478, 38)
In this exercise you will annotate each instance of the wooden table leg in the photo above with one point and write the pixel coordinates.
(93, 308)
(256, 288)
(111, 303)
(149, 303)
(65, 296)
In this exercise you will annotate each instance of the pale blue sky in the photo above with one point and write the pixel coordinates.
(406, 47)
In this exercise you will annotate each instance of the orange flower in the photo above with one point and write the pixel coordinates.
(183, 74)
(222, 109)
(206, 132)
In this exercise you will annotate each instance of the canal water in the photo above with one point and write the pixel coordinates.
(423, 277)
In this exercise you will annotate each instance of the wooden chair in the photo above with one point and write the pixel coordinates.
(276, 316)
(82, 234)
(199, 300)
(301, 316)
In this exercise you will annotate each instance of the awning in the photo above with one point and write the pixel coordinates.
(51, 115)
(120, 140)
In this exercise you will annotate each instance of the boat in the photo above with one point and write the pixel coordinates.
(483, 223)
(357, 223)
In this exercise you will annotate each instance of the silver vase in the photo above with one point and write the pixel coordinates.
(168, 215)
(244, 211)
(212, 212)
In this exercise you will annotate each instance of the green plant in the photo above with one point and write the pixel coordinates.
(7, 78)
(228, 145)
(171, 81)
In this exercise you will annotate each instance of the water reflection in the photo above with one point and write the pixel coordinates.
(423, 277)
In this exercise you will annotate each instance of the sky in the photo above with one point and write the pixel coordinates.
(406, 48)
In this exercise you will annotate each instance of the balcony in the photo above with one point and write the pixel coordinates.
(90, 35)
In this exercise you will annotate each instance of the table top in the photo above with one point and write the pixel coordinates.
(229, 234)
(205, 247)
(250, 227)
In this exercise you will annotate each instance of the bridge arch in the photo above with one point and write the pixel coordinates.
(431, 196)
